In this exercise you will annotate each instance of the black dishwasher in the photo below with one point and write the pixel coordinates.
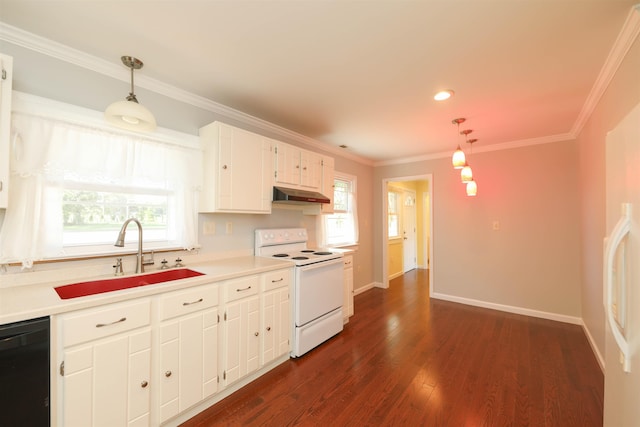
(24, 373)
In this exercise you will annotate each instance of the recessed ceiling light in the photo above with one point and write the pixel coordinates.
(442, 95)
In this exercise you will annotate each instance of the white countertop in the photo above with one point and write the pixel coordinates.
(36, 300)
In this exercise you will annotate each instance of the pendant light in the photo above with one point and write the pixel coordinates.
(129, 114)
(472, 188)
(458, 159)
(466, 174)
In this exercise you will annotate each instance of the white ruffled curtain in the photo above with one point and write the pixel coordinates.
(48, 154)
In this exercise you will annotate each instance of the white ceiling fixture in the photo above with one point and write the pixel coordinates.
(129, 114)
(443, 95)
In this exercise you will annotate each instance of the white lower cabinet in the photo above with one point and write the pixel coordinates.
(348, 287)
(241, 328)
(106, 366)
(276, 316)
(151, 361)
(187, 369)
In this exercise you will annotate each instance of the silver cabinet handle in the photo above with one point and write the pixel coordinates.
(256, 333)
(279, 280)
(268, 328)
(192, 302)
(224, 167)
(102, 325)
(144, 384)
(243, 289)
(167, 374)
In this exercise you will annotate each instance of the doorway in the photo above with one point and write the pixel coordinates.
(409, 230)
(416, 192)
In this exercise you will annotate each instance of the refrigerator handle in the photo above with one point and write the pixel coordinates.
(621, 229)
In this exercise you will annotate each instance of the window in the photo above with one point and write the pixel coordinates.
(75, 181)
(95, 217)
(341, 227)
(393, 214)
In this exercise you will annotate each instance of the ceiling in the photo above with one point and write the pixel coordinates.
(360, 73)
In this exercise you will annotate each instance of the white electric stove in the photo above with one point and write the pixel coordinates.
(317, 289)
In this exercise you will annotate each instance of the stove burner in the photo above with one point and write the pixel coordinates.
(307, 250)
(323, 253)
(300, 257)
(281, 255)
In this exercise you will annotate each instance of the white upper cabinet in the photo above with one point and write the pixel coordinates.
(328, 175)
(298, 168)
(237, 170)
(6, 68)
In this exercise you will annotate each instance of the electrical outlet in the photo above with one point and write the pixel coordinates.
(209, 228)
(229, 228)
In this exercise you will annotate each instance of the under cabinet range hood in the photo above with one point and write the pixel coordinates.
(296, 196)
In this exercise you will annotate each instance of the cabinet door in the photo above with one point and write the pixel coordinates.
(310, 170)
(106, 383)
(188, 365)
(348, 286)
(276, 326)
(244, 182)
(328, 173)
(287, 165)
(237, 170)
(241, 338)
(6, 68)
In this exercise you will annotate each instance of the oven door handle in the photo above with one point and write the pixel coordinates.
(321, 264)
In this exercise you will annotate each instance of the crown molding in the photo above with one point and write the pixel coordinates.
(626, 38)
(82, 59)
(484, 149)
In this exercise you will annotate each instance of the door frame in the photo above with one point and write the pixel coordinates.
(384, 241)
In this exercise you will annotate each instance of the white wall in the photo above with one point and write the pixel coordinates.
(622, 94)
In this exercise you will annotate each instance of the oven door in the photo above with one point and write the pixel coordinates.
(318, 290)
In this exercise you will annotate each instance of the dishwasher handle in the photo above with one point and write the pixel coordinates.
(23, 339)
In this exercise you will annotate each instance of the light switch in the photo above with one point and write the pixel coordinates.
(229, 228)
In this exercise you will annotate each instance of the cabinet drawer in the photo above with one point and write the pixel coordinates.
(276, 279)
(188, 301)
(348, 261)
(96, 323)
(240, 288)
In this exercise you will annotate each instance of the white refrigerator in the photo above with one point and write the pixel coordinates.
(621, 270)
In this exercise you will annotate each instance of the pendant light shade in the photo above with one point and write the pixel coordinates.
(458, 159)
(472, 188)
(129, 114)
(466, 174)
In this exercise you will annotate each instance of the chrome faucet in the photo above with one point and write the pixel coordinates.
(120, 242)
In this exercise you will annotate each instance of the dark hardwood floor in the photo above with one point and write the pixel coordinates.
(405, 360)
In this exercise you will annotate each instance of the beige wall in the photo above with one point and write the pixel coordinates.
(532, 262)
(622, 94)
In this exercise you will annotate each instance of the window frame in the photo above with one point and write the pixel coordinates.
(350, 212)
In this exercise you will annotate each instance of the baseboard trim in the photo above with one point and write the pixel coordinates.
(365, 288)
(510, 309)
(398, 274)
(594, 348)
